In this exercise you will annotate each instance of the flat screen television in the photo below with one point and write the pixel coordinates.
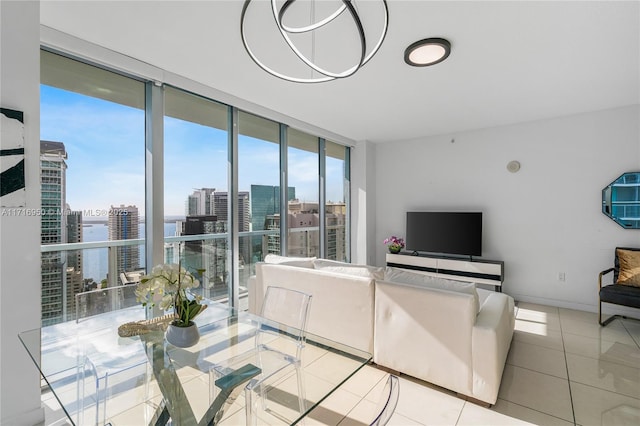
(456, 233)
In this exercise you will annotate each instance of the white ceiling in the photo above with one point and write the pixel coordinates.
(511, 61)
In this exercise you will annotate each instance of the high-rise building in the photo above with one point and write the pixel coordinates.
(265, 201)
(336, 231)
(210, 255)
(200, 202)
(123, 225)
(74, 260)
(305, 242)
(220, 206)
(207, 258)
(53, 230)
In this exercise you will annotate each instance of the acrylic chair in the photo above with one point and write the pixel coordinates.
(282, 309)
(388, 401)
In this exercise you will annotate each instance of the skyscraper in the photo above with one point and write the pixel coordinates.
(53, 230)
(200, 203)
(210, 255)
(220, 206)
(74, 260)
(303, 236)
(265, 201)
(123, 225)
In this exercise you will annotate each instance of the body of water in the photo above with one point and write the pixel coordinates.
(95, 261)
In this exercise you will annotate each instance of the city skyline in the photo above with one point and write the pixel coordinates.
(99, 175)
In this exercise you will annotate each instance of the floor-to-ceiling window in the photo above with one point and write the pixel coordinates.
(94, 187)
(195, 188)
(259, 179)
(303, 221)
(92, 169)
(336, 199)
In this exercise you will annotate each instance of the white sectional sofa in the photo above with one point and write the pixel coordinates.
(444, 332)
(342, 308)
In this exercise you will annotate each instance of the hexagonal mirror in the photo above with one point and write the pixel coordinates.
(621, 200)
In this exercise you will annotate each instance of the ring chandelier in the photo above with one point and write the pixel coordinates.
(287, 30)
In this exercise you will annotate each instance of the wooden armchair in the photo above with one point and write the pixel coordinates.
(625, 289)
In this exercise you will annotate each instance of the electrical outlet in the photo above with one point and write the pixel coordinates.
(562, 277)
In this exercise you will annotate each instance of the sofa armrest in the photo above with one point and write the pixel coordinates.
(425, 333)
(252, 291)
(492, 335)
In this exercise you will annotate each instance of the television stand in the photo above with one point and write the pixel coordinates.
(490, 272)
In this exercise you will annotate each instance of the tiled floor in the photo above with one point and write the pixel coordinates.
(562, 369)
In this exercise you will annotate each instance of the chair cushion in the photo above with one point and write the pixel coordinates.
(629, 267)
(621, 295)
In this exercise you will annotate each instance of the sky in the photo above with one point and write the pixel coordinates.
(106, 159)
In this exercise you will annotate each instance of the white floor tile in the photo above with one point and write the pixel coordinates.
(335, 408)
(604, 375)
(540, 392)
(613, 332)
(364, 381)
(366, 411)
(426, 405)
(551, 320)
(603, 369)
(506, 413)
(537, 358)
(594, 406)
(537, 308)
(633, 327)
(537, 334)
(572, 314)
(620, 353)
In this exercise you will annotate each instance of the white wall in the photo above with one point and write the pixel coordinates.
(363, 203)
(543, 220)
(20, 235)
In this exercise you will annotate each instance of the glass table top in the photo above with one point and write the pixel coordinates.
(101, 378)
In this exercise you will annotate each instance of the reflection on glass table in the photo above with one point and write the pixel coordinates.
(100, 378)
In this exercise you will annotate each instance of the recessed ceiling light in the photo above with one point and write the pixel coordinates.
(426, 52)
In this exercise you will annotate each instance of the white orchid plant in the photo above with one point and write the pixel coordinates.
(170, 282)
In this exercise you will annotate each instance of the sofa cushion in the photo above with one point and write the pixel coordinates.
(305, 262)
(349, 268)
(629, 273)
(403, 276)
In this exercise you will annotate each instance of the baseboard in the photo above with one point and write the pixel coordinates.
(607, 308)
(30, 418)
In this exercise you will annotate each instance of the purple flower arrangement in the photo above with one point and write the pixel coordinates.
(394, 244)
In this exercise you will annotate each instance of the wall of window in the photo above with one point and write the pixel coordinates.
(259, 177)
(195, 185)
(336, 201)
(226, 193)
(92, 174)
(303, 219)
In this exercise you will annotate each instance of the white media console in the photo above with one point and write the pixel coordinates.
(490, 272)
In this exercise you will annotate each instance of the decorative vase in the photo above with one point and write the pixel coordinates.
(394, 250)
(183, 337)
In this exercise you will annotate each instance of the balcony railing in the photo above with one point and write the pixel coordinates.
(204, 255)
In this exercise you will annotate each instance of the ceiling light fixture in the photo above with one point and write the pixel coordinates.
(429, 51)
(313, 62)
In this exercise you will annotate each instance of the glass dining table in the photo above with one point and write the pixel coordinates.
(100, 378)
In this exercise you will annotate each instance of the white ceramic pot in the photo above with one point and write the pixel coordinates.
(183, 337)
